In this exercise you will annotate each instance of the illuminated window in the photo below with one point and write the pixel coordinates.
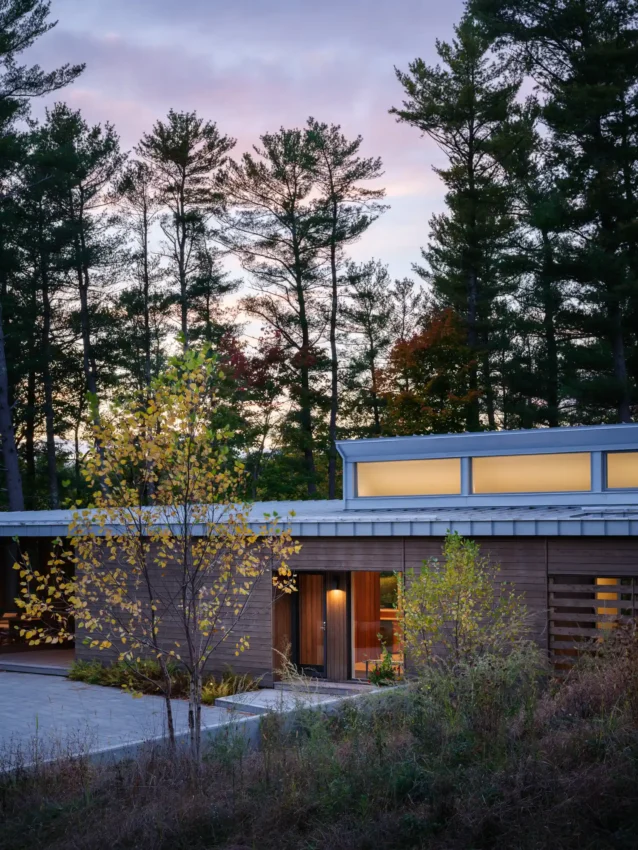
(622, 470)
(409, 478)
(553, 473)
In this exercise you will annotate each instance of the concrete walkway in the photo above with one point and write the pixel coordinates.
(59, 716)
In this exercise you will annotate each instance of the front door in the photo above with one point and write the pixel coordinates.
(311, 626)
(310, 601)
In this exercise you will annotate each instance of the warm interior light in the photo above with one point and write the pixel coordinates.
(622, 470)
(550, 473)
(609, 612)
(435, 477)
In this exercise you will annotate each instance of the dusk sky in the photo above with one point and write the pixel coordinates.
(255, 65)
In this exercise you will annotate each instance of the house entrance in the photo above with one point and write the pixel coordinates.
(336, 625)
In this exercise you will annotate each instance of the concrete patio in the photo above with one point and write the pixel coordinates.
(44, 716)
(59, 716)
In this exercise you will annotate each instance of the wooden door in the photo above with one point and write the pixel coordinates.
(282, 630)
(337, 627)
(311, 595)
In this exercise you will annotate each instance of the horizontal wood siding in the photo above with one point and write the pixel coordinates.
(526, 562)
(522, 562)
(255, 623)
(596, 556)
(349, 553)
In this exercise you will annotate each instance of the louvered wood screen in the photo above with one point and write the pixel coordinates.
(581, 608)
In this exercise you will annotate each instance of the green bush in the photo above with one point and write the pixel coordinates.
(146, 677)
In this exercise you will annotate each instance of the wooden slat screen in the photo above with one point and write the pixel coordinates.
(582, 608)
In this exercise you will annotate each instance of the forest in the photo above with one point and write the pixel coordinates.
(522, 311)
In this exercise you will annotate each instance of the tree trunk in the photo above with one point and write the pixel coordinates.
(620, 362)
(305, 397)
(147, 320)
(29, 433)
(13, 478)
(52, 469)
(473, 418)
(549, 328)
(334, 364)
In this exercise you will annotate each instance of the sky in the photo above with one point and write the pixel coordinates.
(253, 66)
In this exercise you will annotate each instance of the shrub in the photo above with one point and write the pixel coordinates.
(146, 677)
(456, 609)
(229, 684)
(383, 673)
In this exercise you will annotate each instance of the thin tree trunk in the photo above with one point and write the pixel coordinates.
(52, 469)
(620, 362)
(473, 418)
(549, 327)
(334, 364)
(13, 478)
(29, 433)
(305, 403)
(147, 320)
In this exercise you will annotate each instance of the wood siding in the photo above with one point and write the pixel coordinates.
(255, 623)
(337, 667)
(596, 556)
(526, 562)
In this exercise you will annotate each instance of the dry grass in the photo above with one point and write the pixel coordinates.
(498, 757)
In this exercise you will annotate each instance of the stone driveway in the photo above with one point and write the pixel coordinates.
(59, 716)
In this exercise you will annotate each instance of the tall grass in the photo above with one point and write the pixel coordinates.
(496, 755)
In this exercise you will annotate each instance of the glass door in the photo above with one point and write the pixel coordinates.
(310, 602)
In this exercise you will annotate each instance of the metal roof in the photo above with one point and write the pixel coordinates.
(330, 519)
(532, 440)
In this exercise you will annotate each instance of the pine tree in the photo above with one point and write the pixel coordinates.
(276, 229)
(462, 107)
(142, 307)
(350, 207)
(22, 22)
(83, 162)
(583, 56)
(370, 323)
(186, 154)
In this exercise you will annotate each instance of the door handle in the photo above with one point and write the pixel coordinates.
(323, 626)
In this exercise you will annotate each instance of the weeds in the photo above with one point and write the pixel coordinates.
(496, 755)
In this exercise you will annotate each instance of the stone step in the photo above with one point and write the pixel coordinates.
(268, 700)
(318, 686)
(40, 669)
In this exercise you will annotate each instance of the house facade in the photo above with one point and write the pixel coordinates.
(557, 509)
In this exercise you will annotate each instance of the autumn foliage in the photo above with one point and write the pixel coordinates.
(426, 382)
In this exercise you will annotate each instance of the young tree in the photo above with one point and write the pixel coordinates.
(22, 22)
(171, 579)
(349, 208)
(457, 609)
(276, 229)
(185, 154)
(462, 107)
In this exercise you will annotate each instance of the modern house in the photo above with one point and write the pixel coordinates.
(556, 508)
